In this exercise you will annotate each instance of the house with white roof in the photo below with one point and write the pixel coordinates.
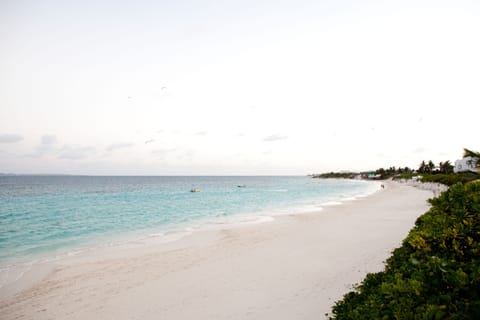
(466, 164)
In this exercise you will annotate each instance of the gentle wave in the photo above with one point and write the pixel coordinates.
(47, 219)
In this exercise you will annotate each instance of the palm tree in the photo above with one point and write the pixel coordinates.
(430, 166)
(422, 167)
(470, 153)
(473, 154)
(446, 167)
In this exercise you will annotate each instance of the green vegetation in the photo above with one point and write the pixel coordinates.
(341, 175)
(406, 173)
(443, 173)
(473, 154)
(470, 153)
(443, 167)
(435, 274)
(425, 167)
(450, 179)
(390, 172)
(446, 179)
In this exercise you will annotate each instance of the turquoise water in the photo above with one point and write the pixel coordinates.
(40, 215)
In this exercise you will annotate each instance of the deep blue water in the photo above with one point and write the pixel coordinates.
(42, 214)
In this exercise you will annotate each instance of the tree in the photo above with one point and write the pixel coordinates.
(470, 153)
(473, 154)
(422, 167)
(430, 166)
(446, 167)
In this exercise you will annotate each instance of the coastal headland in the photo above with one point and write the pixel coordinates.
(294, 267)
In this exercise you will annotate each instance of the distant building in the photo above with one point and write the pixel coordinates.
(466, 164)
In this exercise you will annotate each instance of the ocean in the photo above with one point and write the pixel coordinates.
(45, 217)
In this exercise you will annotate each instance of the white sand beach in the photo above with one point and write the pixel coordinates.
(295, 267)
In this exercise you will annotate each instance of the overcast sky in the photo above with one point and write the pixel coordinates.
(236, 87)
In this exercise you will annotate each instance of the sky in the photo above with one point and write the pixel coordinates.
(236, 87)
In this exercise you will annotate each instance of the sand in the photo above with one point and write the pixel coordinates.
(295, 267)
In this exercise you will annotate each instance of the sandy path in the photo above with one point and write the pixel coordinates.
(292, 268)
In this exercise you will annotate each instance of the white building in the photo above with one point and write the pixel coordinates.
(465, 164)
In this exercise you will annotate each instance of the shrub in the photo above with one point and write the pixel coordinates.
(435, 274)
(450, 179)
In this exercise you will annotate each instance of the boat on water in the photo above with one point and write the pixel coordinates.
(194, 190)
(242, 186)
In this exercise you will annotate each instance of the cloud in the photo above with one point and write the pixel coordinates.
(76, 152)
(47, 145)
(275, 137)
(149, 141)
(49, 139)
(121, 145)
(10, 138)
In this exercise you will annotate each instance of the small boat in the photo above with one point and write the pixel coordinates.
(242, 186)
(194, 190)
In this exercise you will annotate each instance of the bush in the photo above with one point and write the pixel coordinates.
(336, 175)
(435, 274)
(450, 179)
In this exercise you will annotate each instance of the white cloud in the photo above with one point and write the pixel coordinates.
(10, 138)
(47, 146)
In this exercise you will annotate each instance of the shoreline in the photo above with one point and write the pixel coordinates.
(293, 267)
(17, 274)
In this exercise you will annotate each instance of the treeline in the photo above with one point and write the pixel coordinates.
(443, 167)
(404, 172)
(435, 274)
(390, 172)
(343, 175)
(425, 167)
(427, 172)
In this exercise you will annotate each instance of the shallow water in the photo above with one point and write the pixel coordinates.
(51, 215)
